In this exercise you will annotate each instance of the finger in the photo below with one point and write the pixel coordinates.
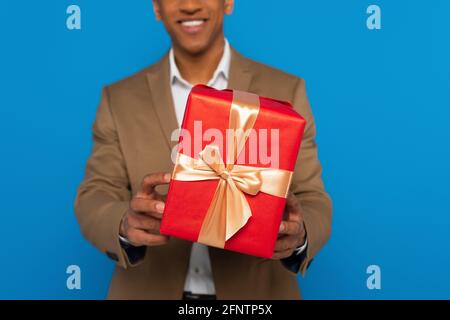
(143, 222)
(160, 197)
(152, 180)
(295, 216)
(292, 203)
(289, 227)
(286, 243)
(153, 207)
(293, 210)
(282, 254)
(142, 238)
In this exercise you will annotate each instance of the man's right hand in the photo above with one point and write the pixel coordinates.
(140, 225)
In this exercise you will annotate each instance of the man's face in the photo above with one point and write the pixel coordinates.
(193, 25)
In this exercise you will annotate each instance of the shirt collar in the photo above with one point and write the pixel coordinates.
(223, 68)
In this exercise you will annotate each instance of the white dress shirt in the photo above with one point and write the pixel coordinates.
(199, 278)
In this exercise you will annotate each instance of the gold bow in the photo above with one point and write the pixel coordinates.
(229, 210)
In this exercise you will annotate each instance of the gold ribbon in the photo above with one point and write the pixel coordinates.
(229, 210)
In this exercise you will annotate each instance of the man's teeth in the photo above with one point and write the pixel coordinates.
(192, 23)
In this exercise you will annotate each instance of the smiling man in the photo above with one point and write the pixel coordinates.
(120, 203)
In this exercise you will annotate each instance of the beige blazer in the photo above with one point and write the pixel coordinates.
(132, 132)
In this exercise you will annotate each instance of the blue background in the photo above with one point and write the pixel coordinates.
(380, 98)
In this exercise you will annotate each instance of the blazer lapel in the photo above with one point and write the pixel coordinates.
(240, 75)
(159, 83)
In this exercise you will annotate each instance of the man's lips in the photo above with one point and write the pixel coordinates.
(192, 26)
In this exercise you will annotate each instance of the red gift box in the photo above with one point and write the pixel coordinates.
(236, 155)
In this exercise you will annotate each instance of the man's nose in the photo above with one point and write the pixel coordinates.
(191, 6)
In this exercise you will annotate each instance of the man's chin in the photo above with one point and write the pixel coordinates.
(194, 48)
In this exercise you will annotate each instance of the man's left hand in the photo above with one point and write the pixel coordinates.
(292, 232)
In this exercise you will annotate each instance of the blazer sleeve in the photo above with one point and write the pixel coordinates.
(307, 183)
(103, 196)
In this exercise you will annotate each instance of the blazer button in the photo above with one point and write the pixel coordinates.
(112, 256)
